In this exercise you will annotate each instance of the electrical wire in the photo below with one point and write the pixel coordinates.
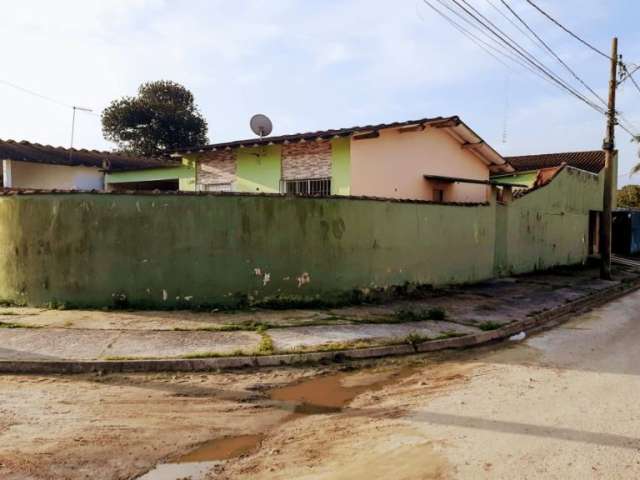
(500, 45)
(531, 60)
(527, 56)
(35, 94)
(45, 97)
(508, 19)
(581, 40)
(550, 50)
(487, 47)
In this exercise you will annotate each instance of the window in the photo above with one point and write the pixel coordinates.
(216, 187)
(438, 195)
(315, 187)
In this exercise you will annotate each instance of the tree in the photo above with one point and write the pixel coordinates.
(161, 118)
(629, 196)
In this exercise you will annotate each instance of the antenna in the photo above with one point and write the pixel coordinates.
(73, 126)
(261, 125)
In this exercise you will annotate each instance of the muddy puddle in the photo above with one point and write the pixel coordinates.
(320, 395)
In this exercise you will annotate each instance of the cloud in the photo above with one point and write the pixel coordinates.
(309, 65)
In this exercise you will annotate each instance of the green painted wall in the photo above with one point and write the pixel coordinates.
(525, 178)
(185, 174)
(341, 166)
(167, 250)
(258, 169)
(548, 226)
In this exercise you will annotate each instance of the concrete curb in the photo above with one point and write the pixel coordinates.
(543, 321)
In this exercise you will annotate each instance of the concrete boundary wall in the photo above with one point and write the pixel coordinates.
(171, 251)
(190, 250)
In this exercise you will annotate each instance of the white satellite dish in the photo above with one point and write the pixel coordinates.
(261, 125)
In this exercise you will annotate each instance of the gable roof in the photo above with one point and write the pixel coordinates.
(591, 161)
(454, 125)
(34, 152)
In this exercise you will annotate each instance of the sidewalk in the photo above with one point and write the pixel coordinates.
(29, 334)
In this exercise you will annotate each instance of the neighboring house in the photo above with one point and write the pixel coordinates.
(534, 171)
(436, 159)
(28, 165)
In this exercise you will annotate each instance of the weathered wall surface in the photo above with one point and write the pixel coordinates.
(190, 250)
(548, 226)
(44, 176)
(393, 166)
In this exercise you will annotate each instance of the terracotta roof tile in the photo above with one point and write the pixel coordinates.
(592, 161)
(37, 153)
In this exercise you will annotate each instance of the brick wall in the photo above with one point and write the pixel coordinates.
(306, 160)
(216, 168)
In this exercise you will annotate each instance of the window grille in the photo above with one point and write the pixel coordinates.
(315, 187)
(217, 187)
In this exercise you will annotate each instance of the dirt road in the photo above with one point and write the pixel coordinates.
(562, 404)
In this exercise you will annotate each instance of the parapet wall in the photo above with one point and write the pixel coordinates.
(170, 251)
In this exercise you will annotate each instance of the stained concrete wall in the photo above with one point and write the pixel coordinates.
(207, 250)
(190, 250)
(548, 226)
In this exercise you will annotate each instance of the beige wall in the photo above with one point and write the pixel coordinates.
(39, 175)
(393, 165)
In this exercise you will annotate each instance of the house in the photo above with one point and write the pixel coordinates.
(534, 171)
(435, 159)
(28, 165)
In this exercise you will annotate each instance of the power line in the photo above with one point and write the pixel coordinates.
(44, 97)
(557, 57)
(584, 42)
(550, 76)
(487, 47)
(502, 42)
(630, 76)
(35, 94)
(518, 27)
(496, 31)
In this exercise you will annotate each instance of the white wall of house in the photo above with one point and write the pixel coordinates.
(44, 176)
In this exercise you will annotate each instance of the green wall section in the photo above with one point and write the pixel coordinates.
(258, 169)
(548, 226)
(184, 173)
(341, 166)
(162, 251)
(167, 251)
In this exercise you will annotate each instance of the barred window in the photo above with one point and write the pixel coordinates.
(216, 187)
(316, 187)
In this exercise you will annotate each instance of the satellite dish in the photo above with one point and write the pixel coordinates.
(261, 125)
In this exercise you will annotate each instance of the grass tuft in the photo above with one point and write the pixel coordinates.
(489, 325)
(420, 314)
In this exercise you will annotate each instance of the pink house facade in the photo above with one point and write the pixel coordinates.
(438, 159)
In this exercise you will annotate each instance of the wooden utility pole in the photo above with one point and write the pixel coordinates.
(609, 150)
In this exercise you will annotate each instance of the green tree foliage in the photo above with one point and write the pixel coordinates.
(629, 196)
(161, 118)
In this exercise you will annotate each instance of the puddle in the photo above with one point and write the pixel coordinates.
(223, 449)
(320, 395)
(330, 393)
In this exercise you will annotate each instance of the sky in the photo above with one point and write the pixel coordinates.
(310, 65)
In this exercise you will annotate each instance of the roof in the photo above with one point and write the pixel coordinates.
(592, 161)
(34, 152)
(458, 129)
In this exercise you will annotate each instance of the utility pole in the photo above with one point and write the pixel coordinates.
(609, 151)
